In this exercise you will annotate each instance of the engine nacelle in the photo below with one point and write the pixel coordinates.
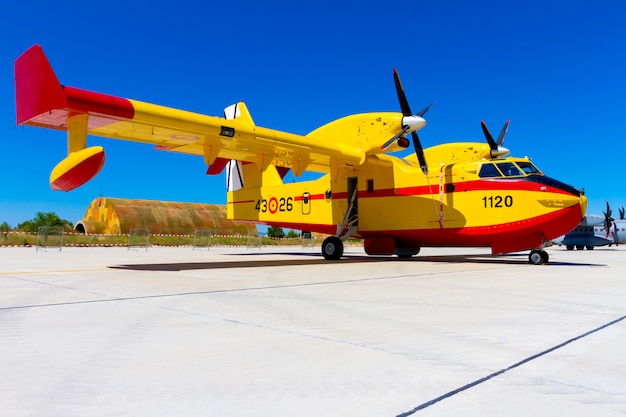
(78, 168)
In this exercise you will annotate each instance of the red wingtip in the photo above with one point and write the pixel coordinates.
(37, 89)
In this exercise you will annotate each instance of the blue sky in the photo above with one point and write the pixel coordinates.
(556, 69)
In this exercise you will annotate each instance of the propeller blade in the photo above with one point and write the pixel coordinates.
(424, 110)
(500, 141)
(419, 151)
(608, 219)
(404, 103)
(621, 213)
(411, 119)
(492, 143)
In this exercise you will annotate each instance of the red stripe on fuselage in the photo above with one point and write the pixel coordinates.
(241, 202)
(478, 185)
(313, 197)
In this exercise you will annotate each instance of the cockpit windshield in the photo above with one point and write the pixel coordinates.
(489, 171)
(528, 167)
(507, 169)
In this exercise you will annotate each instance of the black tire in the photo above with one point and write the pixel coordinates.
(407, 252)
(569, 247)
(332, 248)
(537, 257)
(590, 247)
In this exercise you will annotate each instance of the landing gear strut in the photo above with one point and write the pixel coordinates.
(538, 257)
(332, 248)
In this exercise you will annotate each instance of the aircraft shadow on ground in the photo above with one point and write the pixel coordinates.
(313, 259)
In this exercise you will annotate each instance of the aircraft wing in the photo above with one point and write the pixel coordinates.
(42, 101)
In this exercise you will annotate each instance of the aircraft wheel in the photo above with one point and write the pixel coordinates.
(332, 248)
(569, 247)
(589, 247)
(580, 247)
(538, 257)
(407, 252)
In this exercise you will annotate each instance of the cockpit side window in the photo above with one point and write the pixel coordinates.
(509, 169)
(489, 171)
(528, 168)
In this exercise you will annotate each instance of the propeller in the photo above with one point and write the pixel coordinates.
(410, 122)
(621, 213)
(608, 220)
(497, 150)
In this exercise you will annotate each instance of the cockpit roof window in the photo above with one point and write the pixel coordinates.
(528, 167)
(489, 171)
(509, 169)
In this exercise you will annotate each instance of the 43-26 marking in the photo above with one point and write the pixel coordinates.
(274, 204)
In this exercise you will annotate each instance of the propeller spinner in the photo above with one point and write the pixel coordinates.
(497, 150)
(410, 123)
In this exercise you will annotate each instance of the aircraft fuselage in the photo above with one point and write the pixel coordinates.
(506, 204)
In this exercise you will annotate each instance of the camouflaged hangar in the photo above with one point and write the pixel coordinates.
(117, 216)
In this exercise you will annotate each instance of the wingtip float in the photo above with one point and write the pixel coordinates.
(78, 168)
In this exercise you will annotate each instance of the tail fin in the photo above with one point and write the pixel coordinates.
(234, 169)
(240, 112)
(37, 89)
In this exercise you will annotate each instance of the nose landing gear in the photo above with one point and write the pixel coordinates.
(538, 257)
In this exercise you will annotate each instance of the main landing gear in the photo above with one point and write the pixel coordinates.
(332, 248)
(538, 257)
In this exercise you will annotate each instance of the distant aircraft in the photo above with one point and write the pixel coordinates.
(454, 194)
(615, 230)
(596, 230)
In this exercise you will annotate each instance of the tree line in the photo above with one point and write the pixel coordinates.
(278, 232)
(41, 219)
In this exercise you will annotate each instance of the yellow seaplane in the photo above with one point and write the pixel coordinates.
(463, 194)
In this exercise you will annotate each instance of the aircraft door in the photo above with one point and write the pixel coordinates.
(306, 203)
(350, 223)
